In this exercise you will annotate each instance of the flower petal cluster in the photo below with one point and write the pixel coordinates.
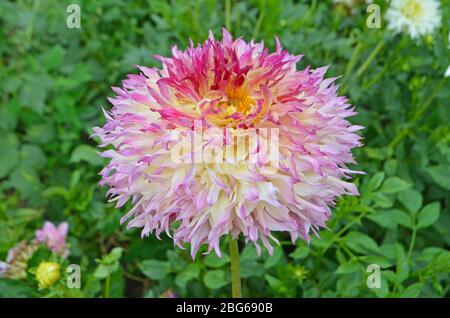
(238, 86)
(415, 17)
(54, 237)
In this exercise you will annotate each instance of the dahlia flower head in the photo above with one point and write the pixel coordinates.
(235, 86)
(417, 18)
(54, 237)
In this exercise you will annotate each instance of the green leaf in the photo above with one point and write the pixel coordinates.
(441, 175)
(53, 57)
(26, 181)
(251, 269)
(8, 115)
(348, 267)
(375, 182)
(412, 291)
(428, 215)
(32, 157)
(86, 153)
(273, 282)
(115, 254)
(177, 262)
(382, 261)
(402, 267)
(40, 133)
(34, 91)
(15, 289)
(192, 271)
(384, 218)
(24, 215)
(215, 279)
(325, 241)
(383, 291)
(9, 155)
(214, 261)
(394, 185)
(275, 258)
(390, 166)
(377, 153)
(300, 252)
(361, 243)
(249, 253)
(101, 272)
(383, 201)
(155, 269)
(404, 218)
(411, 199)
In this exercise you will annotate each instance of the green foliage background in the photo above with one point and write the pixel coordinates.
(54, 81)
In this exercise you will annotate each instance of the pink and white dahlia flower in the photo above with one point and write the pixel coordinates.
(230, 86)
(54, 237)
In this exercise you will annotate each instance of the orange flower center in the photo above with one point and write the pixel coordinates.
(238, 100)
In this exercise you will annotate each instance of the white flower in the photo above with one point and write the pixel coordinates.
(416, 17)
(447, 72)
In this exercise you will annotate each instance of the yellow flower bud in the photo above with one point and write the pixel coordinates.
(47, 274)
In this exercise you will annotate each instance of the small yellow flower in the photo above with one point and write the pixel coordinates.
(47, 274)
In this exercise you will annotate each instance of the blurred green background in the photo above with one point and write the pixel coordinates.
(54, 81)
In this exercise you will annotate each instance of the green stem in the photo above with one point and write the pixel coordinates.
(344, 229)
(228, 15)
(351, 64)
(411, 244)
(235, 272)
(107, 285)
(259, 21)
(370, 59)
